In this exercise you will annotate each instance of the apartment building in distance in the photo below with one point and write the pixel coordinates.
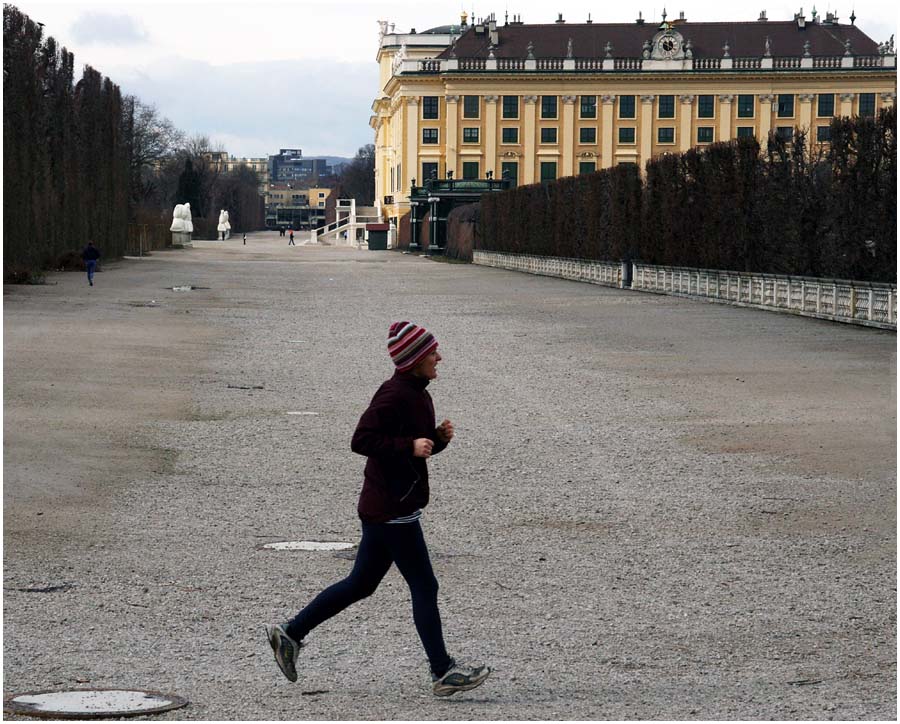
(532, 103)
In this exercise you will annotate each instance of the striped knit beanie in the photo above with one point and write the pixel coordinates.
(409, 344)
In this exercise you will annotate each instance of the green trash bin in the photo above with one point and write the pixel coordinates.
(378, 236)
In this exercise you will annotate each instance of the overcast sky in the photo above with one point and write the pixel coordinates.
(262, 76)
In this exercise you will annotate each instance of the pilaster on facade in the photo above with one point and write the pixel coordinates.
(847, 103)
(451, 142)
(568, 134)
(766, 101)
(805, 118)
(490, 133)
(646, 129)
(726, 101)
(529, 130)
(607, 108)
(687, 114)
(411, 162)
(888, 99)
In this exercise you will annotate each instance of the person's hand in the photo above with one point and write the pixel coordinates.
(445, 431)
(422, 447)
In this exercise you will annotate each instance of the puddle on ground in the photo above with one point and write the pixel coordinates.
(307, 545)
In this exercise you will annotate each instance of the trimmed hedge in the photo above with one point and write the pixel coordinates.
(784, 210)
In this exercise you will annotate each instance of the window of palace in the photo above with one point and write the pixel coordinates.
(470, 135)
(548, 106)
(588, 106)
(667, 106)
(470, 106)
(548, 135)
(745, 132)
(706, 107)
(429, 135)
(866, 105)
(626, 135)
(509, 135)
(587, 167)
(705, 134)
(587, 135)
(785, 133)
(823, 134)
(430, 107)
(626, 106)
(510, 170)
(665, 135)
(510, 106)
(548, 171)
(470, 169)
(825, 106)
(745, 106)
(429, 170)
(785, 105)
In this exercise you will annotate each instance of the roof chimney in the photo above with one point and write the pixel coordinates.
(762, 17)
(681, 19)
(640, 19)
(560, 19)
(589, 19)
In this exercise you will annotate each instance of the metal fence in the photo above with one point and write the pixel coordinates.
(866, 303)
(582, 270)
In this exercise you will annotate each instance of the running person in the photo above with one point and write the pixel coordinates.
(397, 434)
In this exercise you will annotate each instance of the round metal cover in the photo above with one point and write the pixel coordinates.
(307, 545)
(92, 703)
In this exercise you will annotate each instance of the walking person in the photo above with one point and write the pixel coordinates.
(291, 241)
(397, 434)
(90, 255)
(245, 238)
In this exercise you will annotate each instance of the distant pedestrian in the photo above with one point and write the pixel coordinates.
(90, 255)
(245, 239)
(397, 434)
(291, 242)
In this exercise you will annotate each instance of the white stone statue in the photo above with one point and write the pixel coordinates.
(186, 215)
(177, 220)
(224, 227)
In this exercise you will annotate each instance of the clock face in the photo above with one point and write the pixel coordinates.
(668, 46)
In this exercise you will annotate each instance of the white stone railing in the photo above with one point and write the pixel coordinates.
(865, 303)
(581, 270)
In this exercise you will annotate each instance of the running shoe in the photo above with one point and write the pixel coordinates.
(286, 649)
(460, 677)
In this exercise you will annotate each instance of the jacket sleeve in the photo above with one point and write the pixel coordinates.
(378, 433)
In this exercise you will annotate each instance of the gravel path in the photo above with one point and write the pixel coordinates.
(654, 508)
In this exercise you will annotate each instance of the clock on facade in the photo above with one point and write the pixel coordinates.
(668, 46)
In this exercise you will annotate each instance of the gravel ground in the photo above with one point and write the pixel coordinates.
(654, 508)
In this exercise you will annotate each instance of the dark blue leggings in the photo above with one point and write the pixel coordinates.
(383, 544)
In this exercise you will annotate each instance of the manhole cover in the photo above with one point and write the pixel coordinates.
(186, 288)
(307, 545)
(92, 703)
(303, 413)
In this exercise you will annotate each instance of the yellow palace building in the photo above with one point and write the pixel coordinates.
(532, 103)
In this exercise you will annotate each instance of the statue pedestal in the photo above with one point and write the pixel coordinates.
(182, 239)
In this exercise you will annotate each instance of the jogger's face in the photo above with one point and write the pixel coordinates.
(427, 368)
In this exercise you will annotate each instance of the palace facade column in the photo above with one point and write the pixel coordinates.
(687, 114)
(806, 100)
(607, 108)
(725, 105)
(888, 99)
(847, 104)
(451, 127)
(490, 135)
(411, 162)
(568, 135)
(529, 150)
(646, 142)
(765, 116)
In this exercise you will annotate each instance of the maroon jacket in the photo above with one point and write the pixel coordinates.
(396, 483)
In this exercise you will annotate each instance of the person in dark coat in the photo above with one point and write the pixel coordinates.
(90, 255)
(397, 434)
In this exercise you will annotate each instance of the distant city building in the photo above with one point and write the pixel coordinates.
(532, 103)
(294, 207)
(289, 165)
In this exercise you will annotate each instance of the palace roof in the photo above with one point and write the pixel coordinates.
(589, 40)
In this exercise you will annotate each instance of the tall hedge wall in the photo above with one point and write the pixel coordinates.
(785, 209)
